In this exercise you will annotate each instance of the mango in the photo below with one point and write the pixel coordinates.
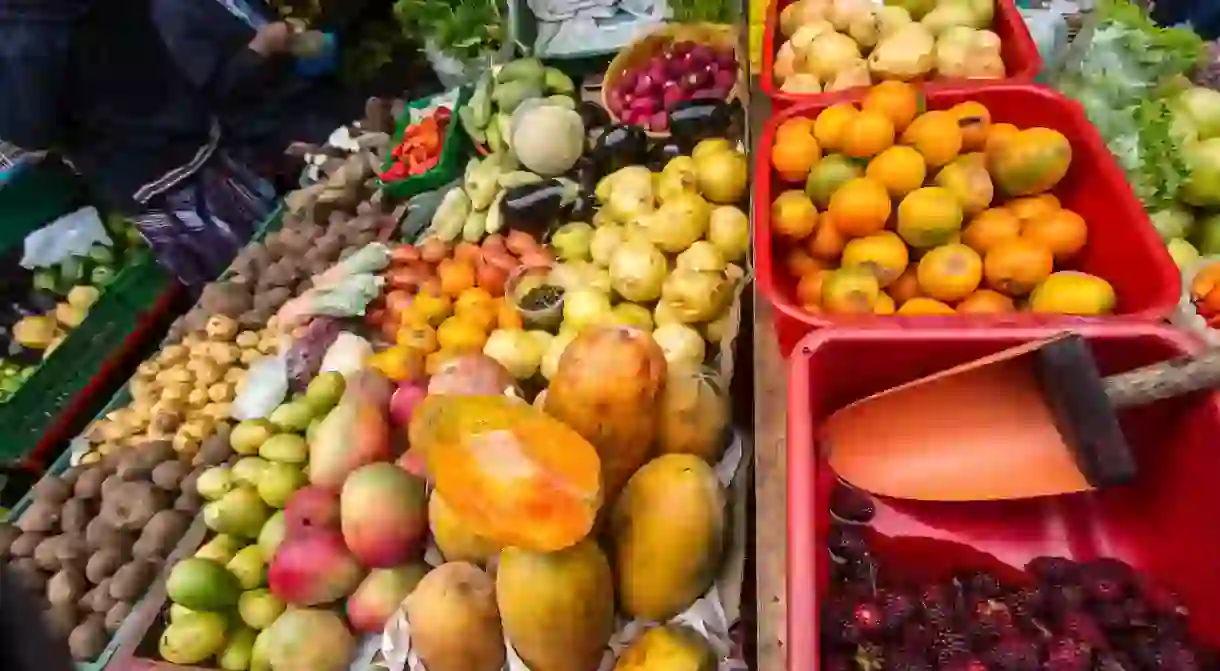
(305, 638)
(668, 648)
(1073, 293)
(383, 515)
(455, 625)
(454, 539)
(557, 608)
(378, 597)
(667, 531)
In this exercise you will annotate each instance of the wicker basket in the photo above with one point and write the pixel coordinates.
(716, 35)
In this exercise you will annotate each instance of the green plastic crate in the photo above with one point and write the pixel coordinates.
(77, 362)
(456, 148)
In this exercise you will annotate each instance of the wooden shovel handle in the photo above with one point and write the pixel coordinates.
(1164, 380)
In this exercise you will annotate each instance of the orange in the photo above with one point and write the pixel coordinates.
(418, 336)
(906, 286)
(1032, 207)
(827, 241)
(900, 169)
(884, 254)
(922, 306)
(936, 135)
(508, 318)
(950, 272)
(456, 276)
(868, 134)
(884, 305)
(830, 125)
(809, 288)
(860, 207)
(974, 120)
(793, 215)
(459, 334)
(1015, 267)
(899, 101)
(990, 228)
(849, 291)
(997, 134)
(794, 155)
(1062, 231)
(796, 125)
(986, 301)
(799, 262)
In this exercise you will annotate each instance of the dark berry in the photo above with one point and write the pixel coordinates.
(905, 659)
(1113, 661)
(1015, 653)
(1106, 580)
(1026, 606)
(949, 646)
(1065, 654)
(938, 606)
(846, 542)
(897, 608)
(1111, 617)
(964, 663)
(980, 584)
(867, 621)
(850, 504)
(835, 621)
(917, 635)
(837, 663)
(1082, 628)
(988, 622)
(1053, 570)
(861, 573)
(1136, 612)
(1159, 599)
(1171, 654)
(1064, 599)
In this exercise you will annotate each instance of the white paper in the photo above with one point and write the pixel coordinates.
(264, 387)
(70, 235)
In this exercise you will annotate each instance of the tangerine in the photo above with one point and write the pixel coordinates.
(998, 134)
(899, 101)
(924, 306)
(1062, 231)
(884, 305)
(868, 134)
(832, 122)
(884, 254)
(991, 227)
(929, 217)
(1073, 293)
(1032, 207)
(1015, 267)
(936, 135)
(799, 125)
(986, 301)
(900, 169)
(794, 155)
(849, 291)
(809, 288)
(793, 215)
(460, 334)
(827, 241)
(860, 207)
(799, 262)
(456, 276)
(950, 272)
(974, 119)
(906, 286)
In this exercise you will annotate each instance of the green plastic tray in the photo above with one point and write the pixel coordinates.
(75, 369)
(456, 148)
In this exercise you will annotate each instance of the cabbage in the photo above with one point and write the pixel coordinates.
(1202, 107)
(547, 138)
(637, 271)
(681, 344)
(1202, 187)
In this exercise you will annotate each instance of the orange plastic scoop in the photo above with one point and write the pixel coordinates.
(1035, 420)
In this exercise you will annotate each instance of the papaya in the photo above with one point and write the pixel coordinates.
(512, 474)
(694, 414)
(670, 647)
(1030, 161)
(557, 608)
(455, 541)
(608, 387)
(455, 625)
(667, 532)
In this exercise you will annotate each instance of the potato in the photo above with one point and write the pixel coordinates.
(249, 356)
(176, 374)
(269, 344)
(174, 407)
(172, 354)
(178, 391)
(197, 398)
(221, 392)
(217, 411)
(237, 373)
(198, 427)
(225, 355)
(185, 444)
(147, 370)
(220, 327)
(247, 339)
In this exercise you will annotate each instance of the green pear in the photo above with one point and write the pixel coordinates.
(279, 482)
(249, 470)
(241, 513)
(272, 534)
(250, 567)
(236, 655)
(258, 608)
(221, 548)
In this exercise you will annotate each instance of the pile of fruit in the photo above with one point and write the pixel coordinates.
(684, 70)
(422, 141)
(1061, 616)
(832, 45)
(888, 210)
(485, 117)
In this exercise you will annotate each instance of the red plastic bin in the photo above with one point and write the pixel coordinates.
(1017, 48)
(1162, 524)
(1123, 246)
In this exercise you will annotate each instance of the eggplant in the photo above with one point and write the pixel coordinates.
(699, 119)
(619, 147)
(534, 208)
(42, 301)
(593, 115)
(663, 152)
(585, 174)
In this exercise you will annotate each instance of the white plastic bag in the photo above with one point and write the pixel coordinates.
(347, 355)
(264, 387)
(70, 235)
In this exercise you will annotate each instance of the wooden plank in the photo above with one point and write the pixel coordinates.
(770, 490)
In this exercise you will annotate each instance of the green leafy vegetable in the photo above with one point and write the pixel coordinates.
(464, 29)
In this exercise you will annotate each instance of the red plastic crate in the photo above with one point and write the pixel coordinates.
(1123, 247)
(1162, 524)
(1017, 48)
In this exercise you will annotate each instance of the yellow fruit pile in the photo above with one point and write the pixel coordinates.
(913, 212)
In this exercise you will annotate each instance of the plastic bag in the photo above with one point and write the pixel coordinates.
(346, 355)
(70, 235)
(371, 258)
(264, 387)
(304, 358)
(512, 473)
